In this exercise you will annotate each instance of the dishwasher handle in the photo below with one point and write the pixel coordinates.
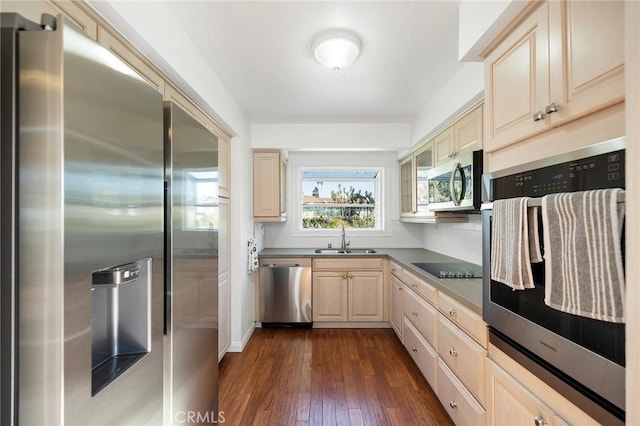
(278, 265)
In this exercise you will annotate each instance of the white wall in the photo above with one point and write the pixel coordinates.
(480, 22)
(334, 136)
(397, 234)
(460, 240)
(465, 88)
(167, 45)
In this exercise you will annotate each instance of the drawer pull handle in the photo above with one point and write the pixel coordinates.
(414, 349)
(454, 404)
(540, 421)
(452, 312)
(551, 108)
(453, 352)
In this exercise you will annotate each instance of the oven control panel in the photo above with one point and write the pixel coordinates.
(597, 172)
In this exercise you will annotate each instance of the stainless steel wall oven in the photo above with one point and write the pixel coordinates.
(582, 358)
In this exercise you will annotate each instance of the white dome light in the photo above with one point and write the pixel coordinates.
(336, 49)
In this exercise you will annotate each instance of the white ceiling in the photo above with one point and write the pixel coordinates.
(261, 53)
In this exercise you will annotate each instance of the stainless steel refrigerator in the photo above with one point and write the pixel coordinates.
(81, 190)
(191, 307)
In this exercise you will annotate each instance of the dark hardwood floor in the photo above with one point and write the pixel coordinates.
(326, 377)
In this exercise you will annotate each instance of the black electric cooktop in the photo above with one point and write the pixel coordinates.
(451, 270)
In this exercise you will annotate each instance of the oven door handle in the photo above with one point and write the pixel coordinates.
(457, 200)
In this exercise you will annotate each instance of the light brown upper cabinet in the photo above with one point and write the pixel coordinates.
(407, 197)
(413, 184)
(561, 63)
(269, 186)
(464, 135)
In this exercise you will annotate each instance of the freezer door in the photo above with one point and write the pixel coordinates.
(91, 191)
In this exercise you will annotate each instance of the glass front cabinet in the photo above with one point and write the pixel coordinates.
(414, 195)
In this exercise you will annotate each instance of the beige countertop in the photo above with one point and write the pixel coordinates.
(467, 291)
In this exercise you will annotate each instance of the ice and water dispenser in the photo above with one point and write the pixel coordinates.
(120, 320)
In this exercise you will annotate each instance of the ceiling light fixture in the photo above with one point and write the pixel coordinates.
(336, 49)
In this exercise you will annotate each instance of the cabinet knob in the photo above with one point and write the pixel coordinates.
(453, 313)
(551, 108)
(415, 313)
(350, 276)
(453, 352)
(539, 421)
(453, 404)
(414, 349)
(345, 276)
(414, 284)
(539, 116)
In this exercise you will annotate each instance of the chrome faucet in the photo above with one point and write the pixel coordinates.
(344, 243)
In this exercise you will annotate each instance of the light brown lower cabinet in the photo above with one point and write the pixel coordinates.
(461, 406)
(396, 290)
(510, 403)
(425, 357)
(348, 290)
(348, 296)
(463, 355)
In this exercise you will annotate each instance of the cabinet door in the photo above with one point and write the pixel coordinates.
(443, 146)
(396, 305)
(266, 185)
(587, 57)
(407, 199)
(423, 162)
(366, 296)
(224, 159)
(467, 132)
(517, 83)
(330, 296)
(224, 315)
(510, 403)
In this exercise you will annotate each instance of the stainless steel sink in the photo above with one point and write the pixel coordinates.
(341, 251)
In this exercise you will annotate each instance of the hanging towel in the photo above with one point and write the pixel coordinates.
(513, 238)
(252, 254)
(583, 261)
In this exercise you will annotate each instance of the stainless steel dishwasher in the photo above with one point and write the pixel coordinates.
(285, 292)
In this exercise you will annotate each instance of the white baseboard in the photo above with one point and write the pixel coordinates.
(239, 346)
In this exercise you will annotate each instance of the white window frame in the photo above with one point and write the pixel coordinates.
(379, 210)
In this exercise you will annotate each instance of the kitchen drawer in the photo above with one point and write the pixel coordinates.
(422, 353)
(421, 287)
(422, 315)
(348, 264)
(466, 319)
(463, 355)
(456, 399)
(397, 270)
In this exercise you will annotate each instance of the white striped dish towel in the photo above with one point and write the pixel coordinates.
(514, 242)
(583, 259)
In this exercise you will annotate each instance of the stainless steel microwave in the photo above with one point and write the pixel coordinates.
(456, 185)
